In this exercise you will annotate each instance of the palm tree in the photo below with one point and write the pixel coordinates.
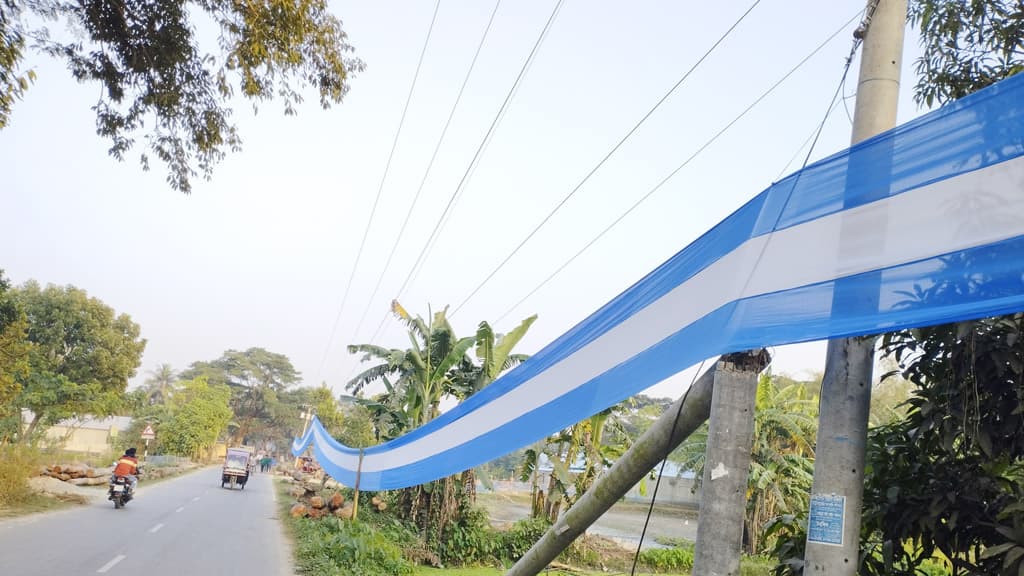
(494, 352)
(418, 377)
(160, 385)
(782, 458)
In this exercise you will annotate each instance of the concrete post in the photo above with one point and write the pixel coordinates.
(726, 466)
(833, 539)
(660, 439)
(675, 425)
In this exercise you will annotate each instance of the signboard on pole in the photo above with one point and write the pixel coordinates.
(148, 433)
(826, 519)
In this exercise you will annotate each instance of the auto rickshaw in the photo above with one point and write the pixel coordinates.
(237, 467)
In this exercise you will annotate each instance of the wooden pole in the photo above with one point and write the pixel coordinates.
(355, 498)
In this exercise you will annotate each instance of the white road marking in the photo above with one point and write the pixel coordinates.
(180, 508)
(111, 564)
(196, 499)
(155, 529)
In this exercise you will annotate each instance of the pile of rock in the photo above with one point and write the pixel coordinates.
(77, 474)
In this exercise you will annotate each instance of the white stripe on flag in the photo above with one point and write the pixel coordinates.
(918, 224)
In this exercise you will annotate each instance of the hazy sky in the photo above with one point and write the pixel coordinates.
(261, 254)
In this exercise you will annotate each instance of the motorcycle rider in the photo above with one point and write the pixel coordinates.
(128, 466)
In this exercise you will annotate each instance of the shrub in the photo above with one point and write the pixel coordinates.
(521, 536)
(470, 540)
(16, 466)
(333, 547)
(756, 565)
(666, 559)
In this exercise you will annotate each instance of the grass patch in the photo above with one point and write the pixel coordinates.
(674, 542)
(484, 571)
(757, 565)
(34, 504)
(17, 465)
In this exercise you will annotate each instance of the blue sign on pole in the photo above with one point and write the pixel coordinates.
(826, 519)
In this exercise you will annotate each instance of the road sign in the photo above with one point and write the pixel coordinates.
(148, 433)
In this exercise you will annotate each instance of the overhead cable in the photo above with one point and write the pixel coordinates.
(380, 188)
(610, 153)
(675, 171)
(426, 173)
(490, 131)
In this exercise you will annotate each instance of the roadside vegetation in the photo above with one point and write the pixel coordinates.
(381, 542)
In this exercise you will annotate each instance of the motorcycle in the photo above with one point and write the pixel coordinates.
(120, 492)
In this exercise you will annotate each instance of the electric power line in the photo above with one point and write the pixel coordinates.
(802, 146)
(380, 188)
(671, 174)
(476, 156)
(866, 21)
(426, 173)
(858, 35)
(606, 157)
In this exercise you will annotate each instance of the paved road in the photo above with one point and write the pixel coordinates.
(187, 526)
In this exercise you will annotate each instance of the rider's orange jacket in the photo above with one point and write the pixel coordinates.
(127, 466)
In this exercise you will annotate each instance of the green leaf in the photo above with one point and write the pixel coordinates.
(997, 550)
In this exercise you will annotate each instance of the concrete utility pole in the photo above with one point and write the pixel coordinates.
(677, 423)
(833, 535)
(726, 467)
(661, 438)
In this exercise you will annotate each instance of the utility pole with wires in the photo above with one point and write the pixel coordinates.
(833, 528)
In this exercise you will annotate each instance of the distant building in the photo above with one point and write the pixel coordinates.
(87, 434)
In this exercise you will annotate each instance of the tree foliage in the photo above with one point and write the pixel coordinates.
(577, 455)
(968, 45)
(160, 384)
(256, 377)
(161, 83)
(82, 354)
(436, 365)
(416, 378)
(14, 346)
(198, 414)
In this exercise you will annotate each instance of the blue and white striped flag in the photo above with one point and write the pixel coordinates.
(921, 225)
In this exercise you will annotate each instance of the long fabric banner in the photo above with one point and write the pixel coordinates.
(921, 225)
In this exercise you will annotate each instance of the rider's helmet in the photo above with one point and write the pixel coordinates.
(130, 452)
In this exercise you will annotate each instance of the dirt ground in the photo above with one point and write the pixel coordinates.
(622, 523)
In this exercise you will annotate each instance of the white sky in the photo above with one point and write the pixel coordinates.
(260, 255)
